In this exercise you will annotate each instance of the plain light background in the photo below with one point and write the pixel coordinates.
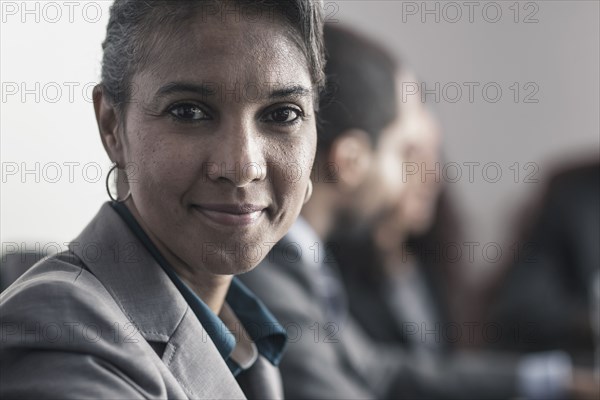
(50, 60)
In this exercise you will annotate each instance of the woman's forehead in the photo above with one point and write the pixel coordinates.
(228, 53)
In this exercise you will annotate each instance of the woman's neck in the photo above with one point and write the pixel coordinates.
(211, 288)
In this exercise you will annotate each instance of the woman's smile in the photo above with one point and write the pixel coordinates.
(231, 214)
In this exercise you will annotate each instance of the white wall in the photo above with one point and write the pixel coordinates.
(559, 54)
(49, 125)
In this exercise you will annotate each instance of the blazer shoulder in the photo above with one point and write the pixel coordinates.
(58, 313)
(58, 295)
(62, 276)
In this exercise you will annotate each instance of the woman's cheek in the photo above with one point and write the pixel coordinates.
(288, 183)
(170, 165)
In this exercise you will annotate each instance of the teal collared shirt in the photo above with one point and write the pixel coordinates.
(262, 327)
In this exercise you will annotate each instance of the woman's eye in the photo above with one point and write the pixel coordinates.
(284, 115)
(188, 112)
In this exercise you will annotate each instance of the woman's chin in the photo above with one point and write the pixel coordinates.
(230, 264)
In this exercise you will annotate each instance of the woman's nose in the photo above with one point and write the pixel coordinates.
(238, 157)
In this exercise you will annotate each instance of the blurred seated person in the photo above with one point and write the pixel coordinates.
(402, 296)
(545, 294)
(401, 282)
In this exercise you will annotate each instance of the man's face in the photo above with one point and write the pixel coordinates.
(384, 183)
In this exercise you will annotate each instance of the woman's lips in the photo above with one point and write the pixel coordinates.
(231, 214)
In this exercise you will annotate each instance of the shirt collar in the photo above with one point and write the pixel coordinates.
(256, 320)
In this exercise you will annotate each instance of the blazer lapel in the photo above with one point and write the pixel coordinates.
(149, 299)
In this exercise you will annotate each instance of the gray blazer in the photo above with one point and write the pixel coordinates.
(103, 320)
(338, 360)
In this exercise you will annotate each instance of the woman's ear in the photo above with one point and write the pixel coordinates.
(351, 155)
(107, 118)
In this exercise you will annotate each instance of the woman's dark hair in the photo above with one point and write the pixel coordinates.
(361, 87)
(136, 26)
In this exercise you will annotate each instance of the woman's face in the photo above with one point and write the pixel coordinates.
(416, 207)
(219, 141)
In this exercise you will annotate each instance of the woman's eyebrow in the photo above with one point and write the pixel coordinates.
(178, 87)
(290, 91)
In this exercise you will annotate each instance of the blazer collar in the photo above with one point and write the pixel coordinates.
(119, 260)
(150, 300)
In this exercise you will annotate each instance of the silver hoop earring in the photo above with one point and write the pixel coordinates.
(309, 191)
(115, 166)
